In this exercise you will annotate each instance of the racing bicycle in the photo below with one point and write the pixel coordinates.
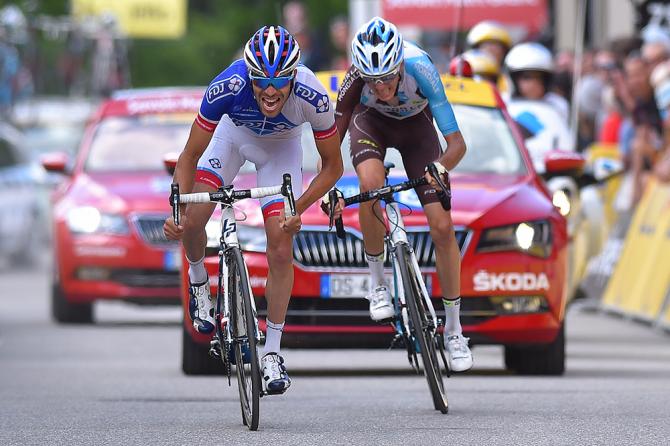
(415, 322)
(236, 324)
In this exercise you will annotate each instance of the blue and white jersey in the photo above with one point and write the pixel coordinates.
(230, 96)
(420, 86)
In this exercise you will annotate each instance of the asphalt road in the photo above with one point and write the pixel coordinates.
(119, 383)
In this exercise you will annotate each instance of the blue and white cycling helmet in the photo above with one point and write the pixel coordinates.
(271, 52)
(377, 48)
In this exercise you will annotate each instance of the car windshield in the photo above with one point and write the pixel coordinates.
(491, 146)
(137, 143)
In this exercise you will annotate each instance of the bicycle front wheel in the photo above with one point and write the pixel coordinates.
(243, 320)
(422, 328)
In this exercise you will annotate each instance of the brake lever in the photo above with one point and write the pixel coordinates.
(287, 192)
(333, 200)
(443, 195)
(174, 202)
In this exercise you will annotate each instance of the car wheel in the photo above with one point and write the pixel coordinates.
(547, 359)
(67, 312)
(195, 359)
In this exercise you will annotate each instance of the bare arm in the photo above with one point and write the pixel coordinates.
(331, 171)
(455, 150)
(184, 173)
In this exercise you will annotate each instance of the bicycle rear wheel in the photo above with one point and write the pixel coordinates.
(243, 322)
(422, 328)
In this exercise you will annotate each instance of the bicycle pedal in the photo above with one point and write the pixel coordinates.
(215, 348)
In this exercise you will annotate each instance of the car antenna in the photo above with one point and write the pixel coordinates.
(454, 36)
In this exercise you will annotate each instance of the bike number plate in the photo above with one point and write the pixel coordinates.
(347, 285)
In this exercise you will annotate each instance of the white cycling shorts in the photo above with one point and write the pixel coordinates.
(231, 146)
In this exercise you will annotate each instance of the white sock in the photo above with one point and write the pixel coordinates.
(196, 271)
(376, 264)
(273, 337)
(452, 319)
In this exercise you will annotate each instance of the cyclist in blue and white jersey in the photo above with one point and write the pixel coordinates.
(388, 98)
(253, 111)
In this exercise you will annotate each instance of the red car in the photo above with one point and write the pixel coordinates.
(513, 241)
(108, 213)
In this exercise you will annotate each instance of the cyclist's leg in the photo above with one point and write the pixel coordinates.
(275, 158)
(368, 148)
(421, 147)
(211, 173)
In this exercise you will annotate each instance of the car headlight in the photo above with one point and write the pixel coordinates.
(89, 220)
(251, 238)
(534, 238)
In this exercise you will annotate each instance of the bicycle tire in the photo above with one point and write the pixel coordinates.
(417, 314)
(244, 333)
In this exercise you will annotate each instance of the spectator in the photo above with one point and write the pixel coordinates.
(655, 53)
(589, 92)
(492, 38)
(642, 146)
(531, 68)
(10, 66)
(660, 80)
(296, 22)
(340, 41)
(636, 93)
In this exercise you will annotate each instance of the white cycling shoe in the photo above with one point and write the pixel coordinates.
(275, 378)
(381, 306)
(201, 307)
(459, 355)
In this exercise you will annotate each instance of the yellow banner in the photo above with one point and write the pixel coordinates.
(641, 278)
(150, 19)
(459, 90)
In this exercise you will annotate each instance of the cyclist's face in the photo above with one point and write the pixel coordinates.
(271, 100)
(385, 91)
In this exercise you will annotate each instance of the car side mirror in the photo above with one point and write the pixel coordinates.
(56, 162)
(561, 162)
(170, 162)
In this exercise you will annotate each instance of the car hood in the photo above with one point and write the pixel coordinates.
(123, 192)
(501, 199)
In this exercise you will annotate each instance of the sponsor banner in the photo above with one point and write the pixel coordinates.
(150, 19)
(641, 279)
(444, 14)
(458, 90)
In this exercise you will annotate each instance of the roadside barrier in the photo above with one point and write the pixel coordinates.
(640, 284)
(610, 189)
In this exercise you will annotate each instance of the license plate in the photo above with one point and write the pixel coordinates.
(172, 260)
(347, 285)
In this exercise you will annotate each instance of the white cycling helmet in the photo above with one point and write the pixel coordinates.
(377, 48)
(529, 56)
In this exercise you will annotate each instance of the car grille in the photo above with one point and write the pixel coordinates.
(145, 278)
(355, 311)
(150, 228)
(320, 248)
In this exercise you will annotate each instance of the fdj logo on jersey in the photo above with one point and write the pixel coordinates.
(225, 87)
(318, 100)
